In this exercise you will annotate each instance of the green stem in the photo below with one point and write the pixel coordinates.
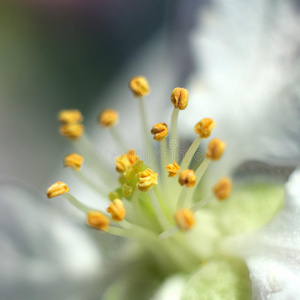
(190, 153)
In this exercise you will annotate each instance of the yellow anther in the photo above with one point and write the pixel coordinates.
(146, 180)
(204, 127)
(185, 219)
(98, 220)
(70, 116)
(126, 160)
(139, 86)
(57, 189)
(173, 169)
(160, 131)
(113, 196)
(180, 98)
(117, 210)
(187, 177)
(215, 149)
(223, 188)
(72, 131)
(127, 190)
(74, 161)
(108, 118)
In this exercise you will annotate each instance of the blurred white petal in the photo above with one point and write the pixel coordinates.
(42, 255)
(247, 71)
(272, 253)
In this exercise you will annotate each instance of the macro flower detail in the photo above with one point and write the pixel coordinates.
(174, 222)
(139, 86)
(71, 116)
(180, 98)
(108, 118)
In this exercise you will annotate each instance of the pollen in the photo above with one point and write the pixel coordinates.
(223, 188)
(160, 131)
(74, 161)
(204, 127)
(125, 161)
(117, 210)
(173, 169)
(70, 116)
(57, 189)
(127, 190)
(108, 118)
(180, 98)
(139, 86)
(185, 219)
(98, 220)
(72, 131)
(215, 149)
(187, 177)
(146, 180)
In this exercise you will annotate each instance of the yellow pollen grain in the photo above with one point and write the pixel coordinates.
(108, 118)
(117, 210)
(223, 188)
(180, 98)
(57, 189)
(70, 116)
(72, 131)
(146, 180)
(160, 131)
(215, 149)
(204, 127)
(185, 219)
(187, 177)
(139, 86)
(97, 220)
(74, 161)
(173, 169)
(125, 161)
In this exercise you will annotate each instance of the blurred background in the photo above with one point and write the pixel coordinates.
(57, 54)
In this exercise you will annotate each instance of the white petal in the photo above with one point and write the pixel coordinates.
(246, 78)
(273, 253)
(42, 255)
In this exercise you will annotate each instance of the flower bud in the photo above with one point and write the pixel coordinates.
(185, 219)
(57, 189)
(117, 210)
(215, 149)
(98, 220)
(187, 177)
(146, 180)
(204, 127)
(223, 188)
(108, 118)
(180, 98)
(139, 86)
(74, 161)
(160, 131)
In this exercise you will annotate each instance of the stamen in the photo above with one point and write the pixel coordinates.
(108, 118)
(160, 131)
(74, 161)
(72, 131)
(190, 153)
(70, 116)
(125, 161)
(174, 144)
(201, 204)
(127, 190)
(97, 220)
(117, 210)
(187, 178)
(76, 203)
(185, 219)
(159, 213)
(146, 180)
(168, 233)
(223, 188)
(57, 189)
(139, 86)
(180, 98)
(173, 169)
(113, 196)
(215, 149)
(204, 127)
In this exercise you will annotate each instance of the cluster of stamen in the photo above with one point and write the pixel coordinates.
(138, 178)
